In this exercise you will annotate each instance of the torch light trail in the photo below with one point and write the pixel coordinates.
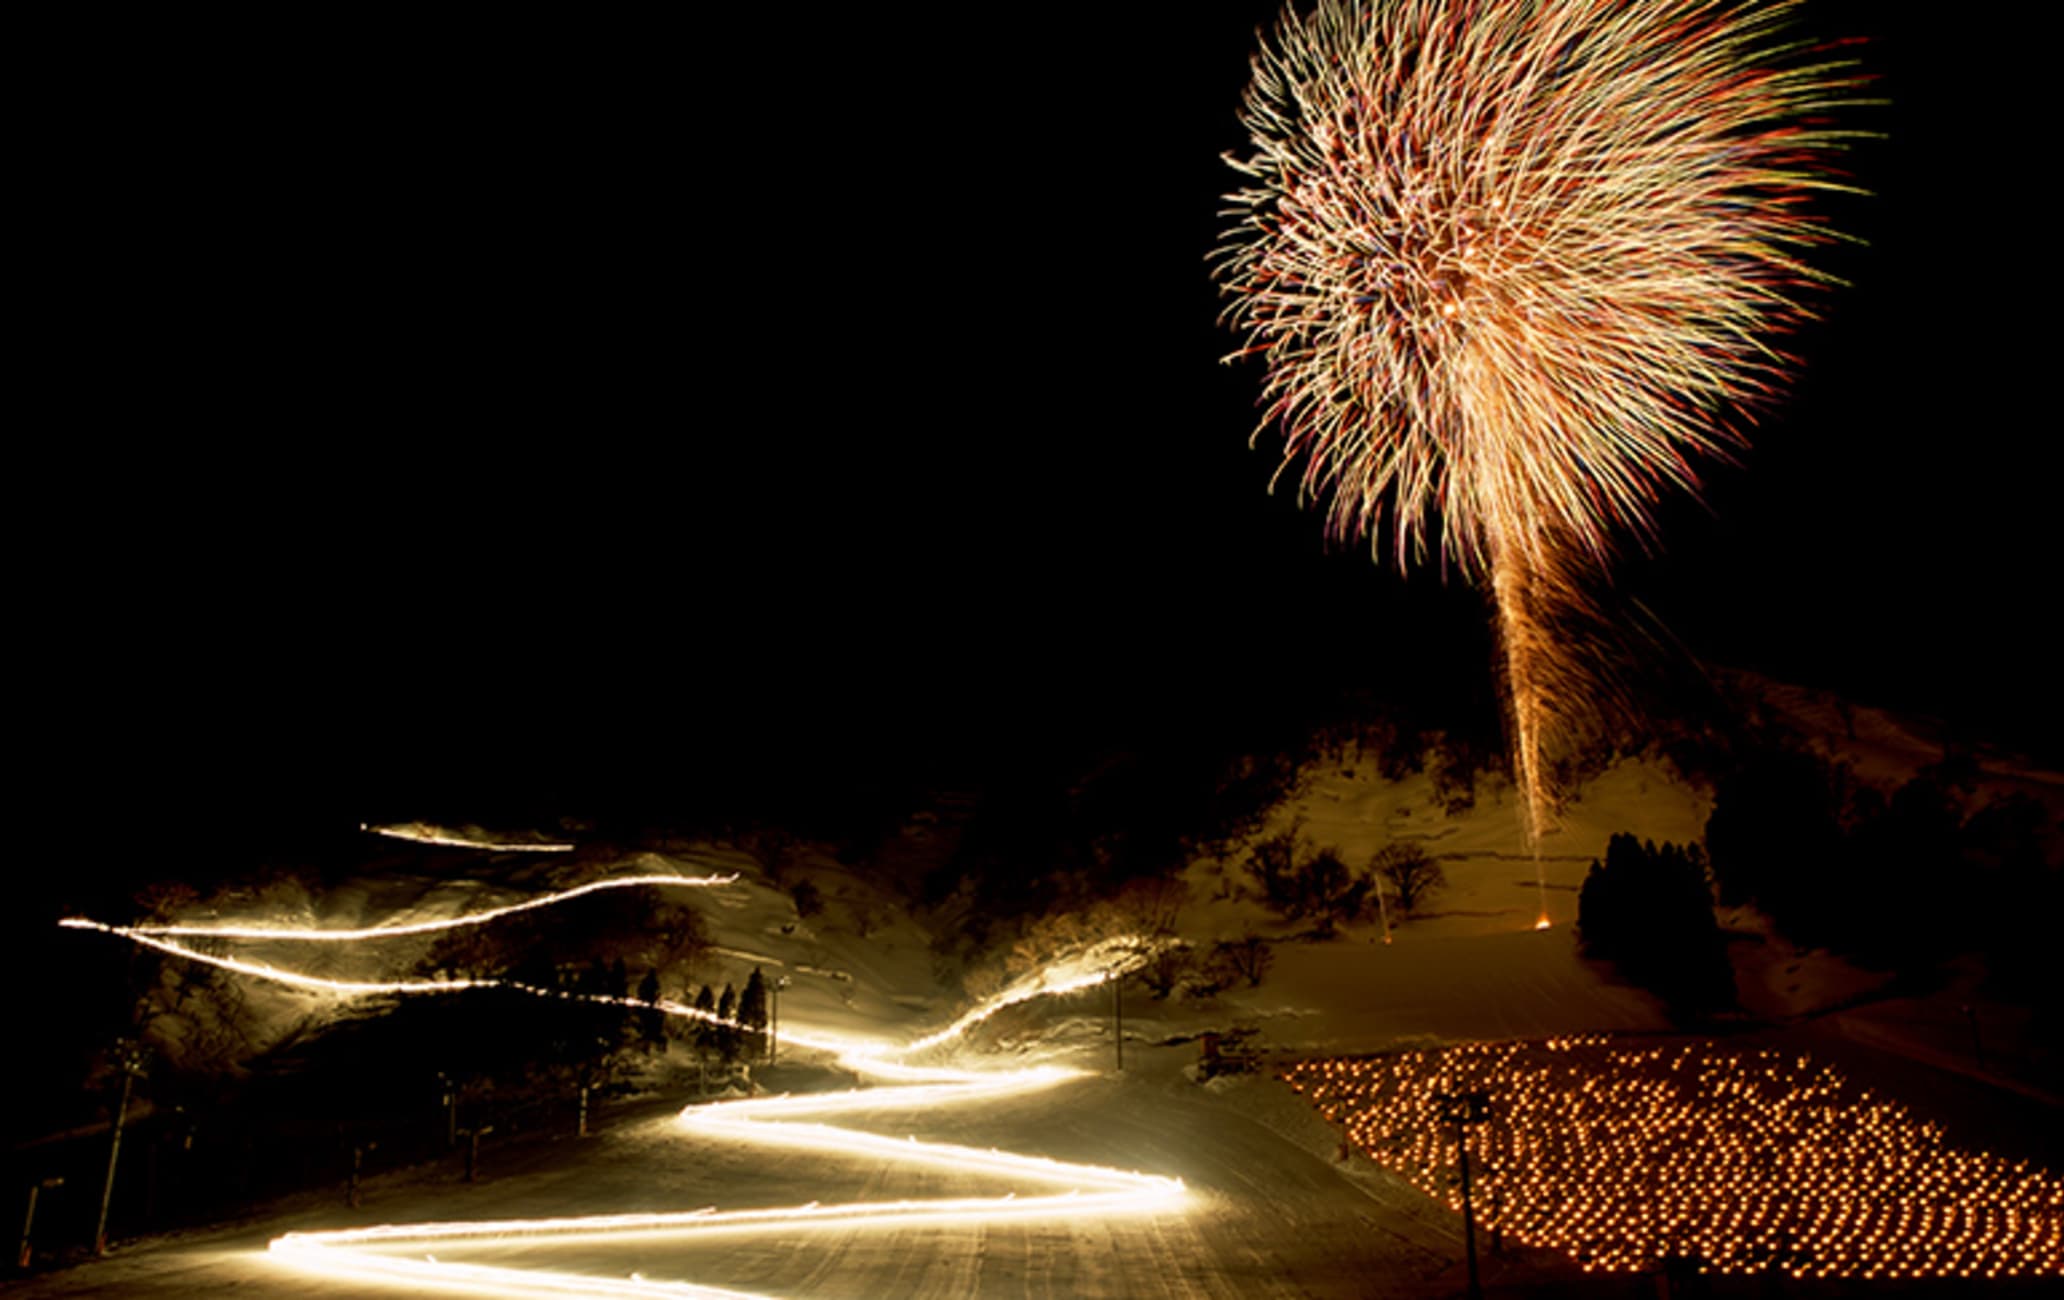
(369, 1254)
(1510, 264)
(417, 833)
(215, 930)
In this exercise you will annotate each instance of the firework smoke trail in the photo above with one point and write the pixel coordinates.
(1511, 264)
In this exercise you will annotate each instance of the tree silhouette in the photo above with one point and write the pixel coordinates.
(752, 1013)
(1413, 873)
(1649, 911)
(727, 1035)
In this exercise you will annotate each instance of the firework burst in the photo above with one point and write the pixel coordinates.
(1512, 265)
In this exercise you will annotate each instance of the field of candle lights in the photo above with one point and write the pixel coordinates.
(1746, 1161)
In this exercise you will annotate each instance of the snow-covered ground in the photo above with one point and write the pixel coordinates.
(1471, 963)
(1271, 1211)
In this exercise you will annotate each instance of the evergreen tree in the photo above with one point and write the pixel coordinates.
(1775, 837)
(726, 1034)
(703, 1037)
(752, 1013)
(1649, 911)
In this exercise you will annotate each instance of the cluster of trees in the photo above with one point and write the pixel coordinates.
(1648, 909)
(1144, 909)
(1069, 832)
(739, 1030)
(1318, 886)
(1182, 969)
(1898, 880)
(591, 949)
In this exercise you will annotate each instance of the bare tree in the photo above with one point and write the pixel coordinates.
(1272, 861)
(1329, 891)
(1413, 874)
(1247, 957)
(1151, 905)
(1168, 968)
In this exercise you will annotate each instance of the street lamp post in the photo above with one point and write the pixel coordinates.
(1462, 1110)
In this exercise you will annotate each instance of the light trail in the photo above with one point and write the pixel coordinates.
(1093, 965)
(293, 979)
(368, 1254)
(418, 833)
(1082, 1190)
(312, 935)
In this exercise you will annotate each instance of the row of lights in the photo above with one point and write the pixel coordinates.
(1747, 1161)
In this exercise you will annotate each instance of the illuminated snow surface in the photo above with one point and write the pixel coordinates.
(1266, 1209)
(1263, 1218)
(1098, 1185)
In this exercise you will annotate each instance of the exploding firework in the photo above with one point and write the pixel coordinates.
(1511, 265)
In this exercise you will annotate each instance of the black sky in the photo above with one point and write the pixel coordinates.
(497, 408)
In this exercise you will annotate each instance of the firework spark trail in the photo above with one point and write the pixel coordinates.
(1510, 265)
(1523, 645)
(366, 1254)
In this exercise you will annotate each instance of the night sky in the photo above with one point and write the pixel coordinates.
(484, 412)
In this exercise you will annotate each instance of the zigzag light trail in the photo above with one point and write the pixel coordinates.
(369, 1254)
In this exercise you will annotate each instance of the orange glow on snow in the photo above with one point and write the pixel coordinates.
(786, 1122)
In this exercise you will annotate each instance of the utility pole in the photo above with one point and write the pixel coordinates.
(1118, 1017)
(1462, 1110)
(774, 1016)
(473, 1136)
(451, 1109)
(129, 1054)
(358, 1150)
(29, 1223)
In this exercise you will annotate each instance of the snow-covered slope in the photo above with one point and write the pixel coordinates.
(1473, 963)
